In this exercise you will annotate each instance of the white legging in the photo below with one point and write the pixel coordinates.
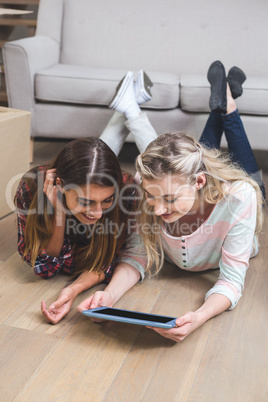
(140, 127)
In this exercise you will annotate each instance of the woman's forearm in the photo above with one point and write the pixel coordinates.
(124, 278)
(214, 305)
(86, 281)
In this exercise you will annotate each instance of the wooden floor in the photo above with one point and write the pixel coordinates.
(76, 360)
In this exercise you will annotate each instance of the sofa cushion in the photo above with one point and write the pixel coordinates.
(195, 92)
(66, 83)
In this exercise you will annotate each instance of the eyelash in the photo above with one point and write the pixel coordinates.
(109, 200)
(171, 201)
(168, 201)
(87, 204)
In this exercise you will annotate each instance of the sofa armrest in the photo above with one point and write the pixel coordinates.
(22, 59)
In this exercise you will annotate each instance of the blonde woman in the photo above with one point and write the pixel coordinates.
(204, 209)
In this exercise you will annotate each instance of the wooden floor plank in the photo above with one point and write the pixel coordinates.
(28, 315)
(21, 352)
(8, 236)
(17, 283)
(83, 365)
(21, 295)
(90, 355)
(157, 368)
(235, 363)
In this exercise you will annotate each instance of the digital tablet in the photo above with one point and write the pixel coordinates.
(131, 317)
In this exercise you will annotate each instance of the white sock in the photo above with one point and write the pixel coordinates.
(132, 110)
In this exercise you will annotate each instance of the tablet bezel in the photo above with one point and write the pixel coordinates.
(96, 313)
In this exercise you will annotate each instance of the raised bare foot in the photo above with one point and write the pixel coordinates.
(231, 105)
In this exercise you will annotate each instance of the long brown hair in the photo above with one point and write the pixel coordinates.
(80, 162)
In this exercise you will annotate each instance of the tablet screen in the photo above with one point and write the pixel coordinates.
(133, 314)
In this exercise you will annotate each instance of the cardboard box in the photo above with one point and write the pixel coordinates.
(14, 154)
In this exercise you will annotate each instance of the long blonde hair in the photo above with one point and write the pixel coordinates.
(178, 153)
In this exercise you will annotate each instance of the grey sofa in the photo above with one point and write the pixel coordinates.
(67, 73)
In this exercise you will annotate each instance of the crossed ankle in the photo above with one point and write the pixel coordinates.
(231, 105)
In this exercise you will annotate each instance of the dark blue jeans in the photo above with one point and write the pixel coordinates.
(238, 145)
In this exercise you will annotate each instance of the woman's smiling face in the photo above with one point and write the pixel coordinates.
(88, 202)
(171, 197)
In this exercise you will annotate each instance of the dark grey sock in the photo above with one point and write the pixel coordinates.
(235, 79)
